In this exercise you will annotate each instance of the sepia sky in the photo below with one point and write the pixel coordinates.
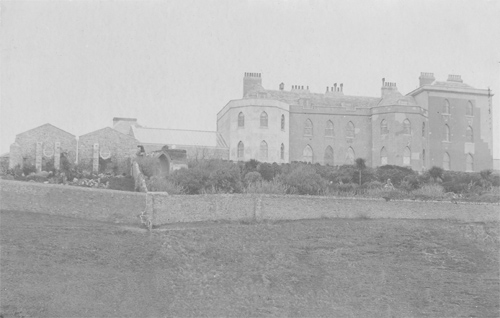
(175, 64)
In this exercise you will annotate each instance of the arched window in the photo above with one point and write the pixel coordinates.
(282, 122)
(469, 134)
(446, 133)
(407, 157)
(469, 163)
(329, 129)
(423, 129)
(446, 107)
(383, 157)
(446, 161)
(263, 150)
(308, 128)
(383, 127)
(263, 119)
(350, 130)
(349, 156)
(282, 152)
(469, 111)
(241, 150)
(328, 156)
(307, 154)
(241, 120)
(406, 127)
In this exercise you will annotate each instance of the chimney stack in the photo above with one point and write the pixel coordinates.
(282, 86)
(455, 78)
(426, 78)
(251, 81)
(388, 88)
(341, 87)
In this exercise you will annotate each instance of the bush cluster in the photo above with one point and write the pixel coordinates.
(391, 182)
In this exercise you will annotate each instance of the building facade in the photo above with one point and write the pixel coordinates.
(445, 124)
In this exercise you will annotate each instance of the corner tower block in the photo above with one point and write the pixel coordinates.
(251, 81)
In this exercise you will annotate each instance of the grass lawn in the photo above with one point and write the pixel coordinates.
(54, 266)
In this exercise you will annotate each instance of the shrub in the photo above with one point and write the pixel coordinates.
(48, 165)
(395, 173)
(436, 172)
(162, 184)
(28, 168)
(250, 166)
(429, 192)
(266, 170)
(304, 180)
(373, 185)
(149, 165)
(214, 176)
(192, 180)
(252, 177)
(410, 182)
(226, 179)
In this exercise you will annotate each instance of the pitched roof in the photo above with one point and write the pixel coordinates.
(109, 130)
(179, 137)
(48, 125)
(397, 99)
(450, 84)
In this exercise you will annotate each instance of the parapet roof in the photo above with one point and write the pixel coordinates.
(334, 99)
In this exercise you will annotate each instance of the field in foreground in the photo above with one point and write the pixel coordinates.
(54, 266)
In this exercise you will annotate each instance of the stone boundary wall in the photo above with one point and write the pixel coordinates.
(87, 203)
(159, 208)
(180, 208)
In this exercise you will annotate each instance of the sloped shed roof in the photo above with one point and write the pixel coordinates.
(179, 137)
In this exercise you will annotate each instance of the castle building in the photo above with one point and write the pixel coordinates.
(441, 123)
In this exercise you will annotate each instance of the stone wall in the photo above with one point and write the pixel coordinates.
(179, 208)
(112, 146)
(161, 208)
(47, 140)
(94, 204)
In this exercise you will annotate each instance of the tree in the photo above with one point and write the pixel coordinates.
(360, 166)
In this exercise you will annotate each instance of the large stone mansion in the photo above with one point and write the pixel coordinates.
(446, 124)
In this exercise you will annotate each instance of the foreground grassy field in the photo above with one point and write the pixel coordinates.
(62, 267)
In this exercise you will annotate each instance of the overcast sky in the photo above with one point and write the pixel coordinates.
(175, 64)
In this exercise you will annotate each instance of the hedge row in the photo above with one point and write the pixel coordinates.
(218, 176)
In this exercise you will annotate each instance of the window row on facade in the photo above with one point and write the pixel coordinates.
(263, 151)
(469, 134)
(329, 131)
(469, 109)
(469, 162)
(264, 120)
(384, 129)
